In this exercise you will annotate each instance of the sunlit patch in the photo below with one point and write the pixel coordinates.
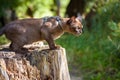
(77, 20)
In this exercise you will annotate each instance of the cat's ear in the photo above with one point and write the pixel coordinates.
(72, 19)
(79, 17)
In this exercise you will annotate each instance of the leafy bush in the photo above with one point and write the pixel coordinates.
(97, 52)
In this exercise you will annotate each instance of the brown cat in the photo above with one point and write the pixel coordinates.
(27, 31)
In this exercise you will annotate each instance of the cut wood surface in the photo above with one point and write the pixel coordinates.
(36, 65)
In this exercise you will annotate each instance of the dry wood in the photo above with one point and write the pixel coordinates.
(38, 65)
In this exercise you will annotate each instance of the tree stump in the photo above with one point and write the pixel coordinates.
(37, 65)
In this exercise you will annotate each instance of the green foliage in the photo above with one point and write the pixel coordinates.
(97, 52)
(8, 4)
(40, 8)
(3, 40)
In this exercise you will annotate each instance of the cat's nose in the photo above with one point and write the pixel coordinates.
(81, 31)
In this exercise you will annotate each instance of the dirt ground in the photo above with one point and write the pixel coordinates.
(75, 78)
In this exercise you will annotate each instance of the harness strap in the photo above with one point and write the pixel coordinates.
(57, 18)
(45, 19)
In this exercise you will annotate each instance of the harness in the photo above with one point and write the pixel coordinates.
(57, 18)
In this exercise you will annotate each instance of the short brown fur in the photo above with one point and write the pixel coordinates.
(27, 31)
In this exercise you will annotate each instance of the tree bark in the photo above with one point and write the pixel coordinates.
(75, 7)
(38, 65)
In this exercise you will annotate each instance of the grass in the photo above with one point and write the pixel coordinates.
(93, 55)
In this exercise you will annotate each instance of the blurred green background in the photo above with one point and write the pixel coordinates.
(95, 55)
